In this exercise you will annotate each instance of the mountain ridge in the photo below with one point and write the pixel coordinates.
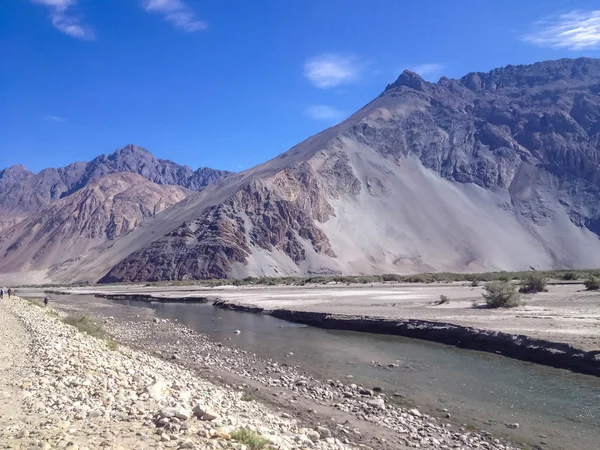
(468, 136)
(23, 192)
(443, 176)
(105, 209)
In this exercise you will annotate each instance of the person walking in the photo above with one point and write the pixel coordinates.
(1, 293)
(46, 301)
(9, 292)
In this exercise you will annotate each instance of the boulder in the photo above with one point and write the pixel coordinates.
(157, 390)
(376, 403)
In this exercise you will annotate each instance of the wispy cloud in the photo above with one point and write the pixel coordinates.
(576, 30)
(324, 112)
(426, 70)
(176, 12)
(63, 19)
(55, 119)
(331, 70)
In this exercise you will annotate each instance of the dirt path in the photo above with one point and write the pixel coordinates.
(14, 361)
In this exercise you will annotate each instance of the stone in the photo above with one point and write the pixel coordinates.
(157, 390)
(222, 434)
(324, 432)
(414, 412)
(313, 435)
(512, 425)
(377, 403)
(209, 415)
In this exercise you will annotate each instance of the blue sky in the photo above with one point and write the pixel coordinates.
(229, 84)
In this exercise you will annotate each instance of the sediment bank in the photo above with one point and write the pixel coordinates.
(520, 347)
(150, 298)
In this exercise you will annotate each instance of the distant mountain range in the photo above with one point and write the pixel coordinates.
(494, 171)
(57, 214)
(23, 192)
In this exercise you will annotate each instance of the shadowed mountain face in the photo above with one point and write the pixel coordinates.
(104, 210)
(495, 171)
(23, 193)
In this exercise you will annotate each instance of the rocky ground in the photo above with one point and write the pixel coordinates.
(61, 388)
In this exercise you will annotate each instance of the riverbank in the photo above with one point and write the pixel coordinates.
(560, 327)
(355, 414)
(521, 347)
(62, 388)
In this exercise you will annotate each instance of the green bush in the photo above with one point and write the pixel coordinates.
(247, 397)
(474, 283)
(569, 276)
(533, 284)
(391, 277)
(85, 325)
(500, 294)
(592, 283)
(250, 438)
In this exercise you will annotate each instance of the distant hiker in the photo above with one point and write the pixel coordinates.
(9, 292)
(46, 301)
(1, 293)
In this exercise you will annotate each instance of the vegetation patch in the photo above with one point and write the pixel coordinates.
(569, 276)
(247, 397)
(112, 345)
(34, 302)
(533, 284)
(250, 438)
(86, 325)
(592, 283)
(501, 294)
(52, 312)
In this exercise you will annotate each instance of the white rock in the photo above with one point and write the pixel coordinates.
(378, 403)
(157, 390)
(313, 435)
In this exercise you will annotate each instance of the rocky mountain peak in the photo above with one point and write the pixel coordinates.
(409, 79)
(16, 172)
(581, 71)
(131, 150)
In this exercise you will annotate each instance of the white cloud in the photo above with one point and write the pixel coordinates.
(176, 12)
(331, 70)
(55, 119)
(63, 19)
(324, 112)
(427, 69)
(576, 30)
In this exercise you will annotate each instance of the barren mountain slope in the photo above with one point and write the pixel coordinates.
(495, 171)
(106, 209)
(23, 193)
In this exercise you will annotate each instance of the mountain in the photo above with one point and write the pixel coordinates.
(23, 193)
(494, 171)
(105, 209)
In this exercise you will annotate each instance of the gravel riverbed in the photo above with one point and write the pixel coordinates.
(168, 387)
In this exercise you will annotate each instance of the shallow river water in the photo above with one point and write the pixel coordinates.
(554, 408)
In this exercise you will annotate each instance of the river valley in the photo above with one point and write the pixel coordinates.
(554, 408)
